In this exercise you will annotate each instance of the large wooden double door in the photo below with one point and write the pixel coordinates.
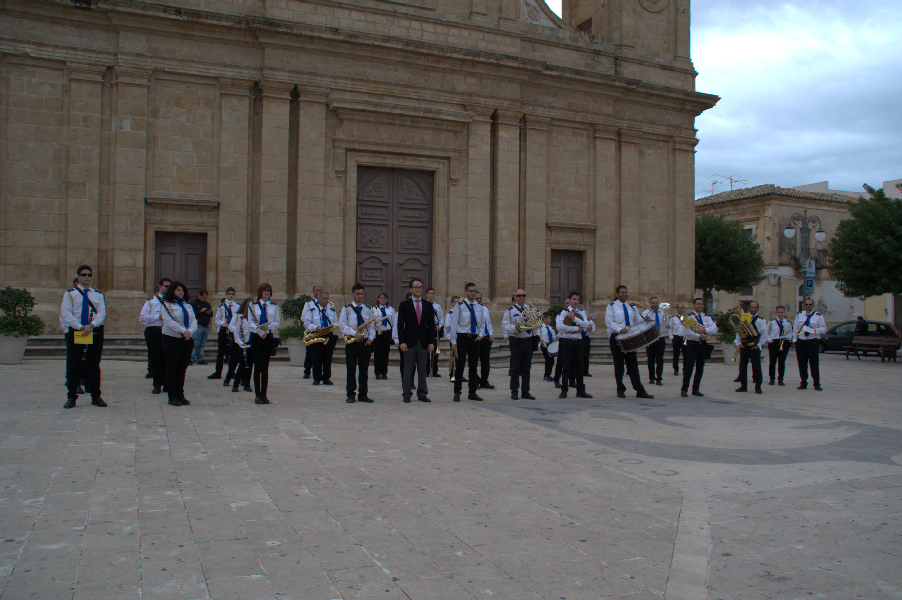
(394, 231)
(181, 257)
(566, 274)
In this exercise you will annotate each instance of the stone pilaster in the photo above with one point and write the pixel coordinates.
(606, 178)
(533, 207)
(312, 226)
(469, 229)
(683, 219)
(630, 208)
(505, 207)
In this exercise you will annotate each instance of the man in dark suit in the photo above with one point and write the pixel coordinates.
(416, 338)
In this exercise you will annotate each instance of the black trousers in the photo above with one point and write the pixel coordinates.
(153, 337)
(694, 354)
(74, 354)
(631, 361)
(381, 350)
(521, 362)
(485, 352)
(222, 349)
(808, 353)
(467, 354)
(752, 355)
(549, 361)
(570, 356)
(178, 354)
(261, 352)
(440, 333)
(357, 357)
(587, 349)
(778, 359)
(655, 354)
(678, 347)
(321, 358)
(241, 363)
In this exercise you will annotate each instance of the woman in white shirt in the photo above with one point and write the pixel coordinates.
(385, 327)
(240, 359)
(179, 325)
(265, 320)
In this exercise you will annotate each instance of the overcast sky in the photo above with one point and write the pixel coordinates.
(810, 91)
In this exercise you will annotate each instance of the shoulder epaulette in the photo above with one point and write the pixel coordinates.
(510, 308)
(818, 314)
(611, 304)
(633, 305)
(71, 290)
(460, 303)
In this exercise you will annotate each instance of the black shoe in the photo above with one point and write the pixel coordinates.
(586, 375)
(80, 390)
(737, 380)
(406, 400)
(98, 402)
(758, 389)
(583, 395)
(350, 400)
(247, 388)
(547, 378)
(306, 375)
(659, 382)
(802, 386)
(697, 393)
(651, 382)
(780, 383)
(164, 389)
(676, 371)
(527, 396)
(424, 399)
(436, 375)
(155, 390)
(265, 400)
(771, 382)
(465, 380)
(327, 382)
(148, 376)
(215, 376)
(235, 388)
(201, 362)
(514, 395)
(621, 394)
(742, 389)
(258, 400)
(563, 394)
(486, 386)
(474, 397)
(366, 399)
(684, 393)
(457, 397)
(644, 395)
(226, 382)
(70, 403)
(819, 388)
(175, 402)
(316, 382)
(184, 402)
(557, 384)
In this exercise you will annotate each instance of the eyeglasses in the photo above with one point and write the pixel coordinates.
(809, 305)
(521, 295)
(85, 275)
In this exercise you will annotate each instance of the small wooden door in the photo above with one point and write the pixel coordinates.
(394, 231)
(182, 257)
(566, 274)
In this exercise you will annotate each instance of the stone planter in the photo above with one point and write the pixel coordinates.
(12, 349)
(297, 351)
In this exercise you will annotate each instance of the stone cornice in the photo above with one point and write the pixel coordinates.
(344, 106)
(769, 190)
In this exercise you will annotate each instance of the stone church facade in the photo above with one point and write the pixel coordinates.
(229, 142)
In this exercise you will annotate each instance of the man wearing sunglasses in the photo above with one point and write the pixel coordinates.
(807, 329)
(83, 310)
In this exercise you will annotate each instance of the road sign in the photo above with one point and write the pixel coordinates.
(809, 268)
(809, 285)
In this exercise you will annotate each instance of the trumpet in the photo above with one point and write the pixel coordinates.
(453, 367)
(350, 339)
(318, 338)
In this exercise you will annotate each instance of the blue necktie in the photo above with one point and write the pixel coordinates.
(229, 312)
(357, 310)
(325, 318)
(780, 325)
(184, 312)
(808, 323)
(472, 318)
(657, 320)
(384, 321)
(626, 315)
(85, 308)
(550, 335)
(263, 313)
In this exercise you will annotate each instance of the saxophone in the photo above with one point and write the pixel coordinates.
(350, 339)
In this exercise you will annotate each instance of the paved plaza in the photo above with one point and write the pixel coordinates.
(791, 494)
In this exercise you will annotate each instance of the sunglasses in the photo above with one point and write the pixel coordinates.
(86, 275)
(521, 295)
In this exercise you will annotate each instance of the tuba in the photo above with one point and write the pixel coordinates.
(530, 319)
(746, 331)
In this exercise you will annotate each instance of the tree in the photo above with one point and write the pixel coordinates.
(866, 250)
(727, 256)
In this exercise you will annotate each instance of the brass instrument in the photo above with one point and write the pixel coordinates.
(350, 339)
(318, 338)
(735, 354)
(453, 365)
(530, 318)
(746, 331)
(692, 325)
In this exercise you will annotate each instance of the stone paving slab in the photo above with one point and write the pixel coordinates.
(790, 494)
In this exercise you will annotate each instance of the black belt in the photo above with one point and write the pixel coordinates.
(696, 342)
(467, 335)
(807, 340)
(155, 327)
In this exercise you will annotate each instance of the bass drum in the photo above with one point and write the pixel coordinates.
(639, 336)
(552, 348)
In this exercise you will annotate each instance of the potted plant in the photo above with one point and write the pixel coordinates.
(292, 335)
(726, 335)
(16, 325)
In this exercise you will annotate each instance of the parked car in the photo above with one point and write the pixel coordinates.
(840, 336)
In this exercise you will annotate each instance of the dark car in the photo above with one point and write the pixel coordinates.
(838, 337)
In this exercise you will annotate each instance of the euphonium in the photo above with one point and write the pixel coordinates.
(747, 333)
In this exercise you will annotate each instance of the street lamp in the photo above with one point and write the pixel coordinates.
(805, 225)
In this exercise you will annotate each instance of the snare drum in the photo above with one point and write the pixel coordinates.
(552, 348)
(639, 336)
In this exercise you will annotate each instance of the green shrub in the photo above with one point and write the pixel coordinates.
(15, 321)
(293, 310)
(726, 332)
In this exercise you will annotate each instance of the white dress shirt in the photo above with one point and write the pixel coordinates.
(816, 323)
(773, 330)
(225, 313)
(273, 318)
(761, 327)
(447, 321)
(664, 324)
(512, 317)
(703, 320)
(150, 313)
(615, 319)
(348, 320)
(676, 326)
(70, 309)
(313, 318)
(487, 322)
(241, 330)
(460, 319)
(174, 319)
(546, 334)
(571, 332)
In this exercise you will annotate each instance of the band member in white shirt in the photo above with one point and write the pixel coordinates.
(522, 346)
(485, 346)
(357, 353)
(153, 335)
(696, 350)
(676, 340)
(439, 326)
(570, 347)
(266, 321)
(753, 354)
(466, 330)
(241, 362)
(655, 350)
(84, 310)
(179, 325)
(385, 327)
(559, 367)
(619, 317)
(308, 359)
(807, 329)
(221, 322)
(547, 335)
(779, 331)
(318, 319)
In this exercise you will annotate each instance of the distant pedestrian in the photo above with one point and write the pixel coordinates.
(861, 328)
(203, 312)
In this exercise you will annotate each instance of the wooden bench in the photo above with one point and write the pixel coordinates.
(885, 346)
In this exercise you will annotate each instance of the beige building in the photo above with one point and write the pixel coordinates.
(765, 211)
(229, 142)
